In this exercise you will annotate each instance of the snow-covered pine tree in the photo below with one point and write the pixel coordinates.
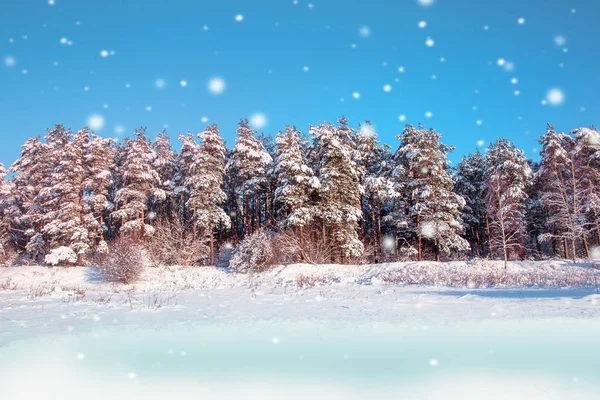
(207, 195)
(563, 190)
(340, 186)
(188, 166)
(9, 211)
(101, 165)
(165, 164)
(434, 207)
(34, 186)
(469, 184)
(507, 176)
(70, 178)
(248, 164)
(140, 183)
(377, 187)
(588, 151)
(295, 182)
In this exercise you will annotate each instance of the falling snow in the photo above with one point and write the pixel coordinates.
(96, 122)
(216, 85)
(555, 97)
(258, 120)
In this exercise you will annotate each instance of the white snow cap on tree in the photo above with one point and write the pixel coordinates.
(507, 176)
(295, 180)
(340, 192)
(140, 182)
(434, 208)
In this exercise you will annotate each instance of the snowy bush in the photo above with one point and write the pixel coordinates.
(60, 256)
(125, 262)
(174, 244)
(256, 253)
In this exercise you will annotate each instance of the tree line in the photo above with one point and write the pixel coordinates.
(335, 187)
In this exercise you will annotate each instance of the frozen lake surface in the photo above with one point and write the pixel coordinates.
(333, 343)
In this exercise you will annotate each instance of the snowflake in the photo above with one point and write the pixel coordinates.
(433, 362)
(356, 95)
(204, 119)
(425, 3)
(51, 2)
(216, 85)
(479, 122)
(86, 88)
(205, 27)
(422, 24)
(555, 97)
(442, 59)
(239, 18)
(560, 40)
(305, 69)
(521, 21)
(104, 53)
(429, 42)
(96, 122)
(119, 129)
(389, 243)
(80, 356)
(480, 143)
(509, 66)
(364, 31)
(10, 61)
(595, 253)
(514, 81)
(148, 108)
(63, 40)
(517, 92)
(131, 375)
(486, 28)
(387, 88)
(428, 229)
(402, 117)
(428, 114)
(401, 69)
(160, 83)
(183, 83)
(258, 120)
(500, 62)
(275, 340)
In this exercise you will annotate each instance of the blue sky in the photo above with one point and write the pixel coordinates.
(299, 62)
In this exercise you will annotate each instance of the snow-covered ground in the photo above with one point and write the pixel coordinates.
(206, 333)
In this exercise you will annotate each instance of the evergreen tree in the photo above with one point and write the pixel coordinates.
(469, 184)
(507, 176)
(207, 195)
(248, 164)
(377, 187)
(340, 186)
(166, 166)
(295, 181)
(140, 185)
(434, 207)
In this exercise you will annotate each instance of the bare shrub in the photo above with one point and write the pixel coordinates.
(8, 255)
(310, 281)
(256, 253)
(310, 248)
(174, 244)
(482, 276)
(125, 262)
(8, 284)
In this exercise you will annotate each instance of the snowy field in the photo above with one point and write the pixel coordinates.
(326, 332)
